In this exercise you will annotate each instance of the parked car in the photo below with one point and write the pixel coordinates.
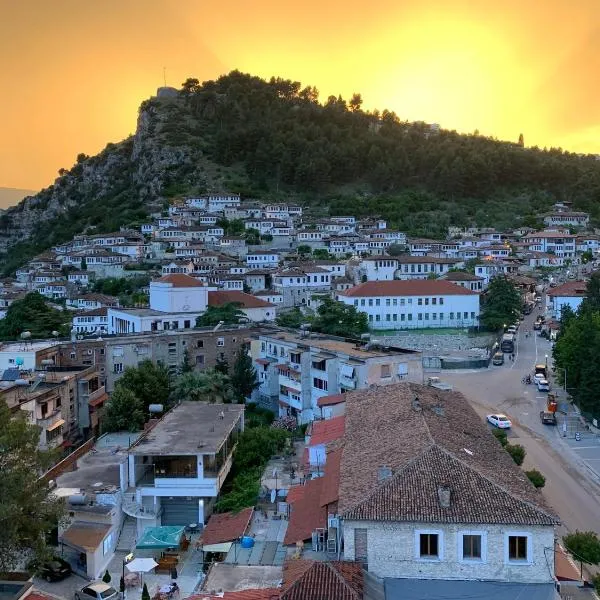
(512, 329)
(548, 418)
(500, 421)
(498, 358)
(98, 590)
(56, 569)
(543, 385)
(537, 325)
(539, 377)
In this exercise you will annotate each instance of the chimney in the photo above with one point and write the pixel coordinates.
(383, 473)
(444, 496)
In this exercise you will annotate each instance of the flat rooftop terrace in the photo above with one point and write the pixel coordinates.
(190, 428)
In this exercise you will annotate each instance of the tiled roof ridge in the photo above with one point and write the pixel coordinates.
(315, 565)
(492, 482)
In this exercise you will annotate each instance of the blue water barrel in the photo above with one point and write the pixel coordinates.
(247, 542)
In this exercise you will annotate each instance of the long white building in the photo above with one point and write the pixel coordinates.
(414, 304)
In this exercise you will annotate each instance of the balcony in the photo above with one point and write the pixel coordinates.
(288, 382)
(48, 420)
(136, 509)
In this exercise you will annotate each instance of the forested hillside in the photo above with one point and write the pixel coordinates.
(278, 141)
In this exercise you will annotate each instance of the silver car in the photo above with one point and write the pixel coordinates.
(97, 590)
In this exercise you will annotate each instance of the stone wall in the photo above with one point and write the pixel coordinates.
(392, 552)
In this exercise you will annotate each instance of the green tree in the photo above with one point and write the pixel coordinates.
(321, 254)
(502, 304)
(517, 452)
(33, 314)
(501, 436)
(396, 249)
(205, 386)
(243, 377)
(337, 318)
(83, 264)
(304, 250)
(148, 382)
(186, 365)
(124, 411)
(292, 318)
(584, 546)
(28, 510)
(538, 480)
(229, 313)
(145, 593)
(592, 299)
(222, 365)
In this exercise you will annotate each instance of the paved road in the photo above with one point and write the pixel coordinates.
(572, 489)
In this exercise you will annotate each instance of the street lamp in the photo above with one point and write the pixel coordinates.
(546, 362)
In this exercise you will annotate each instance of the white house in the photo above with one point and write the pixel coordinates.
(262, 259)
(256, 309)
(413, 304)
(177, 467)
(433, 497)
(91, 321)
(176, 300)
(568, 218)
(569, 294)
(554, 242)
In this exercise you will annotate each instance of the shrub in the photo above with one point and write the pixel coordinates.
(500, 435)
(536, 478)
(517, 452)
(106, 577)
(145, 593)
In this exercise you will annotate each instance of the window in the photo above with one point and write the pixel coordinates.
(429, 545)
(220, 342)
(466, 315)
(410, 317)
(360, 545)
(452, 316)
(377, 317)
(420, 301)
(395, 317)
(441, 316)
(433, 316)
(386, 371)
(320, 384)
(118, 368)
(426, 301)
(107, 543)
(434, 301)
(518, 547)
(420, 316)
(377, 302)
(72, 355)
(370, 301)
(441, 301)
(472, 315)
(200, 359)
(388, 317)
(356, 303)
(471, 546)
(387, 301)
(427, 316)
(362, 302)
(402, 301)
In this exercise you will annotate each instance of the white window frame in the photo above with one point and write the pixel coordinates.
(529, 559)
(440, 534)
(461, 558)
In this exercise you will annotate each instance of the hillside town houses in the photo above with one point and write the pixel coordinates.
(395, 488)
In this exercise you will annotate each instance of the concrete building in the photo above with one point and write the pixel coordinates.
(569, 294)
(177, 467)
(414, 304)
(553, 242)
(568, 218)
(466, 280)
(294, 372)
(427, 494)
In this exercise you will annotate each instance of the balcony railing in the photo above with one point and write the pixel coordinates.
(50, 419)
(136, 509)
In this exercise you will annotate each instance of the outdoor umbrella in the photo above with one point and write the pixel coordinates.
(141, 565)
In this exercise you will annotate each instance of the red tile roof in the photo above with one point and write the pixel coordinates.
(570, 289)
(294, 494)
(409, 287)
(181, 280)
(331, 479)
(306, 513)
(245, 300)
(319, 580)
(226, 527)
(328, 430)
(256, 594)
(331, 400)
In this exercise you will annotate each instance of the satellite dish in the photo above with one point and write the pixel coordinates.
(273, 496)
(19, 361)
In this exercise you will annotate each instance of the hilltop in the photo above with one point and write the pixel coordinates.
(276, 141)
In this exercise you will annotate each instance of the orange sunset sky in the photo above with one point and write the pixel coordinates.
(73, 72)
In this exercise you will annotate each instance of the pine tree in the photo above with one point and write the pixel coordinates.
(243, 377)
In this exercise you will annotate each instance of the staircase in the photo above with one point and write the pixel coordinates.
(128, 535)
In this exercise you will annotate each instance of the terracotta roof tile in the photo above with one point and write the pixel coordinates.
(226, 527)
(294, 494)
(408, 287)
(331, 479)
(429, 438)
(570, 289)
(320, 580)
(255, 594)
(181, 280)
(460, 276)
(331, 400)
(306, 513)
(246, 300)
(328, 430)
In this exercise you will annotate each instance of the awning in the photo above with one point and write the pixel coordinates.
(99, 400)
(56, 425)
(262, 361)
(160, 537)
(223, 547)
